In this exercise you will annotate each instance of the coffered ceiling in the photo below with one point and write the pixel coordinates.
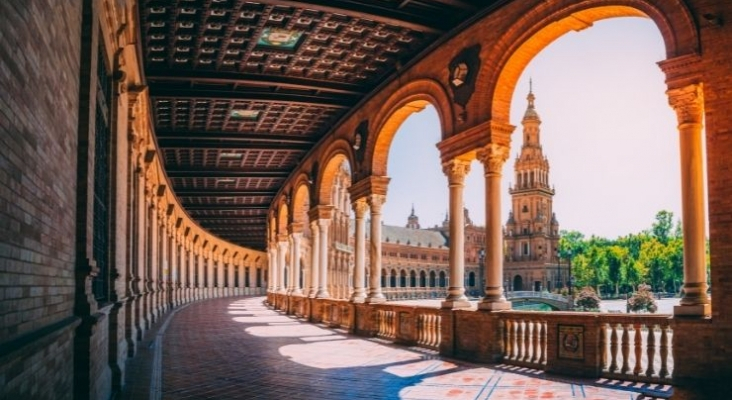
(242, 90)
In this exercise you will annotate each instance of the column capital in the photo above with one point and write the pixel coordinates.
(359, 207)
(456, 170)
(688, 103)
(282, 238)
(296, 227)
(493, 156)
(375, 201)
(370, 185)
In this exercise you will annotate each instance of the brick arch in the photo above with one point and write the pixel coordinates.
(333, 156)
(529, 35)
(301, 199)
(409, 98)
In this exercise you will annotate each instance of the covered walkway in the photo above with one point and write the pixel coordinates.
(237, 348)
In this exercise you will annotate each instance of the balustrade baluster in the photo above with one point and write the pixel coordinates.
(520, 337)
(603, 345)
(664, 352)
(625, 349)
(651, 349)
(509, 339)
(613, 348)
(638, 342)
(542, 342)
(534, 341)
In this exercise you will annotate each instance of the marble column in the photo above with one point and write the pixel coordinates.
(375, 202)
(281, 265)
(323, 293)
(295, 263)
(314, 259)
(456, 171)
(220, 273)
(688, 103)
(493, 156)
(359, 291)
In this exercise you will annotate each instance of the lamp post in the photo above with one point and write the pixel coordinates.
(571, 278)
(559, 271)
(481, 272)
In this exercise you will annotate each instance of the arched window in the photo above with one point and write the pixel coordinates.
(422, 279)
(403, 279)
(383, 278)
(392, 279)
(432, 279)
(443, 281)
(412, 279)
(471, 279)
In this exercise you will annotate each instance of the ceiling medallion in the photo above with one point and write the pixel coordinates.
(279, 38)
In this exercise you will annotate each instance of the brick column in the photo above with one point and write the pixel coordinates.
(687, 101)
(456, 170)
(375, 202)
(493, 156)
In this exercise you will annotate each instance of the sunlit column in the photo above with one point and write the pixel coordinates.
(154, 261)
(295, 262)
(241, 273)
(164, 266)
(688, 102)
(456, 170)
(173, 274)
(219, 276)
(252, 278)
(230, 277)
(493, 156)
(359, 292)
(323, 224)
(191, 273)
(272, 262)
(201, 270)
(375, 201)
(281, 264)
(183, 272)
(315, 258)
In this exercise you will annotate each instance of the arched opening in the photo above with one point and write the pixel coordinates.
(412, 279)
(393, 279)
(443, 279)
(422, 279)
(403, 278)
(518, 283)
(383, 278)
(471, 279)
(433, 280)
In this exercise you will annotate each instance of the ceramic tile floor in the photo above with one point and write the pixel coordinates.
(237, 348)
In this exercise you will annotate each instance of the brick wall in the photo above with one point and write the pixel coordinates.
(39, 91)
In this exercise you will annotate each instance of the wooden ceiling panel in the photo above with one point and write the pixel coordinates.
(242, 89)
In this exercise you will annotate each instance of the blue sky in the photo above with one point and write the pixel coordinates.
(607, 130)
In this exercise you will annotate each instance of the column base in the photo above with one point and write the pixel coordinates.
(697, 310)
(455, 304)
(357, 299)
(494, 305)
(375, 300)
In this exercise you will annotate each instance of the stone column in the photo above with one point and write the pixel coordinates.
(295, 261)
(241, 272)
(323, 224)
(141, 235)
(272, 261)
(201, 274)
(154, 263)
(173, 269)
(165, 261)
(190, 295)
(252, 279)
(183, 272)
(456, 170)
(220, 277)
(230, 277)
(314, 258)
(359, 292)
(493, 156)
(210, 273)
(281, 263)
(375, 202)
(688, 103)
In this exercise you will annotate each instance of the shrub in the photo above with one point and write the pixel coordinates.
(642, 300)
(588, 299)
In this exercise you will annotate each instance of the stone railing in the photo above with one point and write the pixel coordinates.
(627, 347)
(414, 293)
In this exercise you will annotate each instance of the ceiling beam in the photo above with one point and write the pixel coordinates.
(258, 80)
(204, 219)
(225, 207)
(233, 137)
(223, 193)
(178, 172)
(371, 12)
(320, 100)
(186, 143)
(458, 4)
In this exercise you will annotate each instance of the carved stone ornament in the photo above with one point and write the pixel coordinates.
(493, 156)
(456, 170)
(360, 138)
(688, 102)
(360, 207)
(463, 71)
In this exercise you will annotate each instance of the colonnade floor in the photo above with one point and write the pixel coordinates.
(238, 348)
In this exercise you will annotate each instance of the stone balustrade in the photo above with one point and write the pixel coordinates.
(627, 347)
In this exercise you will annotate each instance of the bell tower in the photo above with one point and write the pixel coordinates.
(532, 231)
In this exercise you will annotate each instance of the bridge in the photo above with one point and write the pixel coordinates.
(555, 301)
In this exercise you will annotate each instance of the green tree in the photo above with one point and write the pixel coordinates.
(617, 257)
(662, 228)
